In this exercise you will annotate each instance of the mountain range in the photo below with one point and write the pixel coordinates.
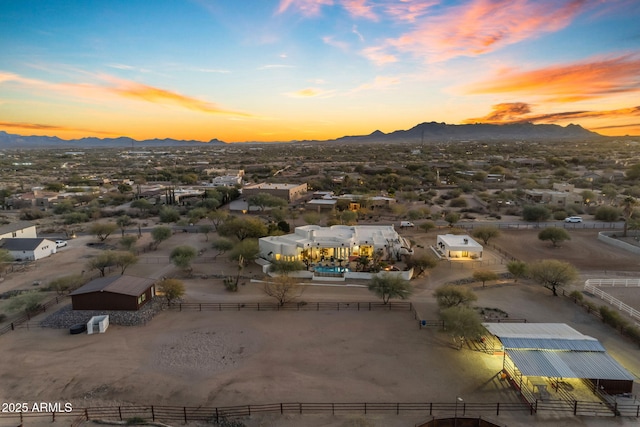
(424, 132)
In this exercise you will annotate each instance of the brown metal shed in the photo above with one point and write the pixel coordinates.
(114, 293)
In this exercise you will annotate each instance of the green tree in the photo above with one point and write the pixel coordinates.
(102, 230)
(312, 218)
(222, 245)
(245, 251)
(348, 217)
(264, 200)
(123, 222)
(66, 284)
(517, 269)
(159, 234)
(243, 228)
(217, 218)
(183, 256)
(124, 259)
(485, 276)
(452, 218)
(27, 301)
(607, 213)
(554, 235)
(420, 262)
(462, 323)
(128, 242)
(168, 214)
(143, 204)
(553, 274)
(283, 288)
(102, 261)
(453, 296)
(172, 289)
(54, 186)
(387, 286)
(427, 226)
(633, 172)
(205, 229)
(5, 260)
(486, 233)
(535, 213)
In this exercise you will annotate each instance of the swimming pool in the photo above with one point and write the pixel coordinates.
(331, 269)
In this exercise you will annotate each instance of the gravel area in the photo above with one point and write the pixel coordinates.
(66, 317)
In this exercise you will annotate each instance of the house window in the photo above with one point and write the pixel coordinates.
(14, 234)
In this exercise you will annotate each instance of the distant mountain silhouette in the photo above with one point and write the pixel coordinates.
(424, 132)
(8, 140)
(442, 132)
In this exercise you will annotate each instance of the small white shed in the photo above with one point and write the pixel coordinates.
(455, 246)
(98, 324)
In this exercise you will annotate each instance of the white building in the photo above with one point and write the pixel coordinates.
(28, 249)
(453, 246)
(18, 230)
(339, 242)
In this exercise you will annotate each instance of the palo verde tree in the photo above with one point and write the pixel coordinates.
(124, 259)
(66, 284)
(462, 323)
(102, 230)
(221, 245)
(102, 261)
(485, 276)
(628, 207)
(264, 200)
(553, 274)
(518, 269)
(243, 228)
(554, 235)
(535, 213)
(420, 262)
(159, 234)
(486, 233)
(183, 256)
(388, 286)
(454, 296)
(172, 289)
(123, 222)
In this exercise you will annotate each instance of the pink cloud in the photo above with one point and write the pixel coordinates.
(360, 9)
(481, 26)
(408, 10)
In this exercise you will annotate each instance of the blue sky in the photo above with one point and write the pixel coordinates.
(314, 69)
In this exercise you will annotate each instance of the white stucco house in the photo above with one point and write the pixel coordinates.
(29, 249)
(315, 243)
(453, 247)
(18, 230)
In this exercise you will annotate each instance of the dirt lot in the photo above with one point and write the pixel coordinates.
(228, 358)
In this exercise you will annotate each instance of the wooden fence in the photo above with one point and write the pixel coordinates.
(293, 306)
(188, 414)
(26, 316)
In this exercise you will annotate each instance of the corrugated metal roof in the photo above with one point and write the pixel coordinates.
(552, 344)
(127, 285)
(568, 364)
(534, 330)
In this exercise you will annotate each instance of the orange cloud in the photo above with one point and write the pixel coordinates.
(518, 112)
(123, 88)
(481, 26)
(409, 10)
(161, 96)
(38, 126)
(359, 9)
(570, 83)
(378, 56)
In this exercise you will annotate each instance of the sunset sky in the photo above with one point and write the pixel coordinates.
(279, 70)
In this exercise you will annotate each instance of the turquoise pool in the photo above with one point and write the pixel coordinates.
(334, 269)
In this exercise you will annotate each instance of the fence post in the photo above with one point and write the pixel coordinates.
(217, 417)
(200, 306)
(398, 408)
(281, 411)
(497, 408)
(184, 411)
(300, 407)
(53, 416)
(249, 409)
(575, 407)
(86, 414)
(365, 408)
(120, 413)
(430, 408)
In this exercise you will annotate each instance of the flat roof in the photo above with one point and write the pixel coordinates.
(459, 240)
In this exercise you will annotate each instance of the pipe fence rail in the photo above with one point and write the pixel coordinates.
(292, 306)
(187, 414)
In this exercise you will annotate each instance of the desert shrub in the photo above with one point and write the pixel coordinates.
(560, 215)
(3, 317)
(458, 202)
(607, 213)
(576, 296)
(590, 306)
(135, 421)
(610, 317)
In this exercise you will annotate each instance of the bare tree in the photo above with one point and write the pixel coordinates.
(283, 288)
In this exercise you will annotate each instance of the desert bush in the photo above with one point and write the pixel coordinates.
(610, 317)
(576, 296)
(560, 215)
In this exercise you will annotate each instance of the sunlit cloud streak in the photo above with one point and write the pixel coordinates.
(360, 9)
(311, 92)
(408, 10)
(304, 7)
(518, 112)
(569, 83)
(123, 88)
(482, 26)
(39, 126)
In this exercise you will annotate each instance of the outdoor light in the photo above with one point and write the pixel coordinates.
(458, 399)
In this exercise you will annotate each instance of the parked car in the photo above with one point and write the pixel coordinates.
(406, 224)
(573, 219)
(61, 243)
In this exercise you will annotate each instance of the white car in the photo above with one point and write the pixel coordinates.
(61, 243)
(573, 219)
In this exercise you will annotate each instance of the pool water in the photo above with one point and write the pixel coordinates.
(333, 269)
